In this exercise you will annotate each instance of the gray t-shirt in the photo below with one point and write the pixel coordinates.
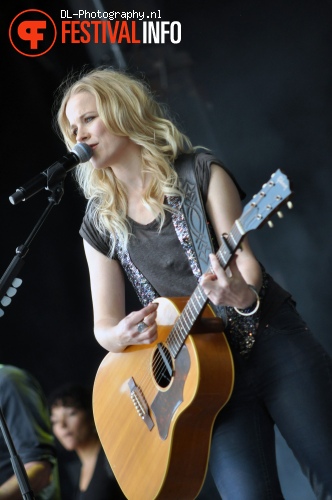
(161, 259)
(158, 254)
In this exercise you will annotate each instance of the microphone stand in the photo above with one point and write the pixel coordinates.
(56, 175)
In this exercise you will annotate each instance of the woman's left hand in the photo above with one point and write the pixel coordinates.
(226, 288)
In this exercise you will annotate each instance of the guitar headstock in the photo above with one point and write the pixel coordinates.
(275, 193)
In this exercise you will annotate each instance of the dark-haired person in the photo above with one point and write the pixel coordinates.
(135, 225)
(89, 478)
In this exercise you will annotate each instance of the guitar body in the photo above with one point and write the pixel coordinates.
(155, 429)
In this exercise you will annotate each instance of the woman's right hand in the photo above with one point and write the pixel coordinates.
(127, 330)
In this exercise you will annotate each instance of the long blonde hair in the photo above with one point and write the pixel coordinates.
(127, 107)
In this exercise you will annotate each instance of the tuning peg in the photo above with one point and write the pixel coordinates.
(289, 205)
(270, 223)
(280, 214)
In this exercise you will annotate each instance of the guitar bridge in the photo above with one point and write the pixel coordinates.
(140, 403)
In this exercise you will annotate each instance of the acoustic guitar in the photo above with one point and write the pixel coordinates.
(155, 405)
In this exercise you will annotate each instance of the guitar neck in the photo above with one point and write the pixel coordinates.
(198, 299)
(230, 243)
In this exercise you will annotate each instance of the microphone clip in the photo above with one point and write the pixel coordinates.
(56, 175)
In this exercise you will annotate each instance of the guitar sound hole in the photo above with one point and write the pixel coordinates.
(162, 366)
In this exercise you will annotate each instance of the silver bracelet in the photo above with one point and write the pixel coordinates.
(258, 301)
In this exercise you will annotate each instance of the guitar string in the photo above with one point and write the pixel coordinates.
(176, 337)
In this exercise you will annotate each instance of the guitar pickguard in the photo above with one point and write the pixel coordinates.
(166, 402)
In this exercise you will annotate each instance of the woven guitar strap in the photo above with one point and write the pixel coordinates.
(194, 213)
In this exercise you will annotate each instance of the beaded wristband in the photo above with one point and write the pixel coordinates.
(258, 301)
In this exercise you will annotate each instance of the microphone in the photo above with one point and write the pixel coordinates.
(79, 154)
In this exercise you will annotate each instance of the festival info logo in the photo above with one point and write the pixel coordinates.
(32, 33)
